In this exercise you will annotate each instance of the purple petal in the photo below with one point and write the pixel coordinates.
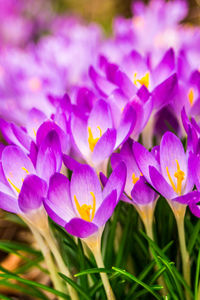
(126, 125)
(80, 228)
(171, 151)
(9, 203)
(58, 203)
(33, 190)
(106, 209)
(34, 120)
(194, 206)
(142, 194)
(49, 159)
(84, 181)
(160, 184)
(188, 198)
(16, 165)
(104, 146)
(80, 133)
(144, 159)
(165, 92)
(70, 163)
(48, 126)
(100, 116)
(116, 181)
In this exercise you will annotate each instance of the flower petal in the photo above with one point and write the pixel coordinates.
(33, 190)
(106, 209)
(9, 203)
(104, 146)
(80, 228)
(142, 193)
(116, 181)
(144, 159)
(49, 159)
(84, 181)
(160, 184)
(16, 165)
(58, 201)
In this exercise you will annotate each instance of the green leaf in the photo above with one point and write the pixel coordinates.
(3, 297)
(193, 237)
(35, 284)
(76, 286)
(133, 278)
(196, 283)
(93, 271)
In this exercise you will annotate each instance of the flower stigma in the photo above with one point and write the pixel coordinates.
(191, 96)
(143, 80)
(134, 178)
(85, 210)
(179, 175)
(91, 140)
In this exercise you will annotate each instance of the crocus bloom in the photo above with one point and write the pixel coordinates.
(172, 176)
(137, 192)
(23, 185)
(80, 205)
(95, 136)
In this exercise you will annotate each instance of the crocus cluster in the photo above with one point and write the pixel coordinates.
(91, 120)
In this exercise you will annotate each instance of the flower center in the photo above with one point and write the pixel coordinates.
(134, 178)
(143, 80)
(12, 184)
(91, 140)
(179, 175)
(86, 212)
(191, 96)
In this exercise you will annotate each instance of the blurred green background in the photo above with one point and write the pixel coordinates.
(103, 11)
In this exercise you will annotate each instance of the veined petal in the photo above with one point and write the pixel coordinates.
(16, 166)
(171, 152)
(106, 209)
(116, 181)
(100, 117)
(144, 159)
(84, 181)
(142, 193)
(104, 146)
(33, 190)
(126, 126)
(9, 203)
(80, 228)
(49, 159)
(160, 184)
(59, 199)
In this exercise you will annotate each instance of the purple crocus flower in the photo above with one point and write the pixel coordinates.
(23, 185)
(171, 175)
(80, 205)
(137, 192)
(95, 136)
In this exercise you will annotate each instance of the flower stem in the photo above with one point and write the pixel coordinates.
(94, 243)
(61, 265)
(184, 252)
(148, 224)
(48, 259)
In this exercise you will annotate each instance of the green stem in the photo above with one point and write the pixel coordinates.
(148, 224)
(48, 259)
(94, 243)
(184, 253)
(61, 265)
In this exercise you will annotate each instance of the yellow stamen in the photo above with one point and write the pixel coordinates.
(134, 178)
(14, 186)
(91, 140)
(34, 131)
(143, 81)
(179, 175)
(25, 170)
(191, 96)
(84, 210)
(170, 179)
